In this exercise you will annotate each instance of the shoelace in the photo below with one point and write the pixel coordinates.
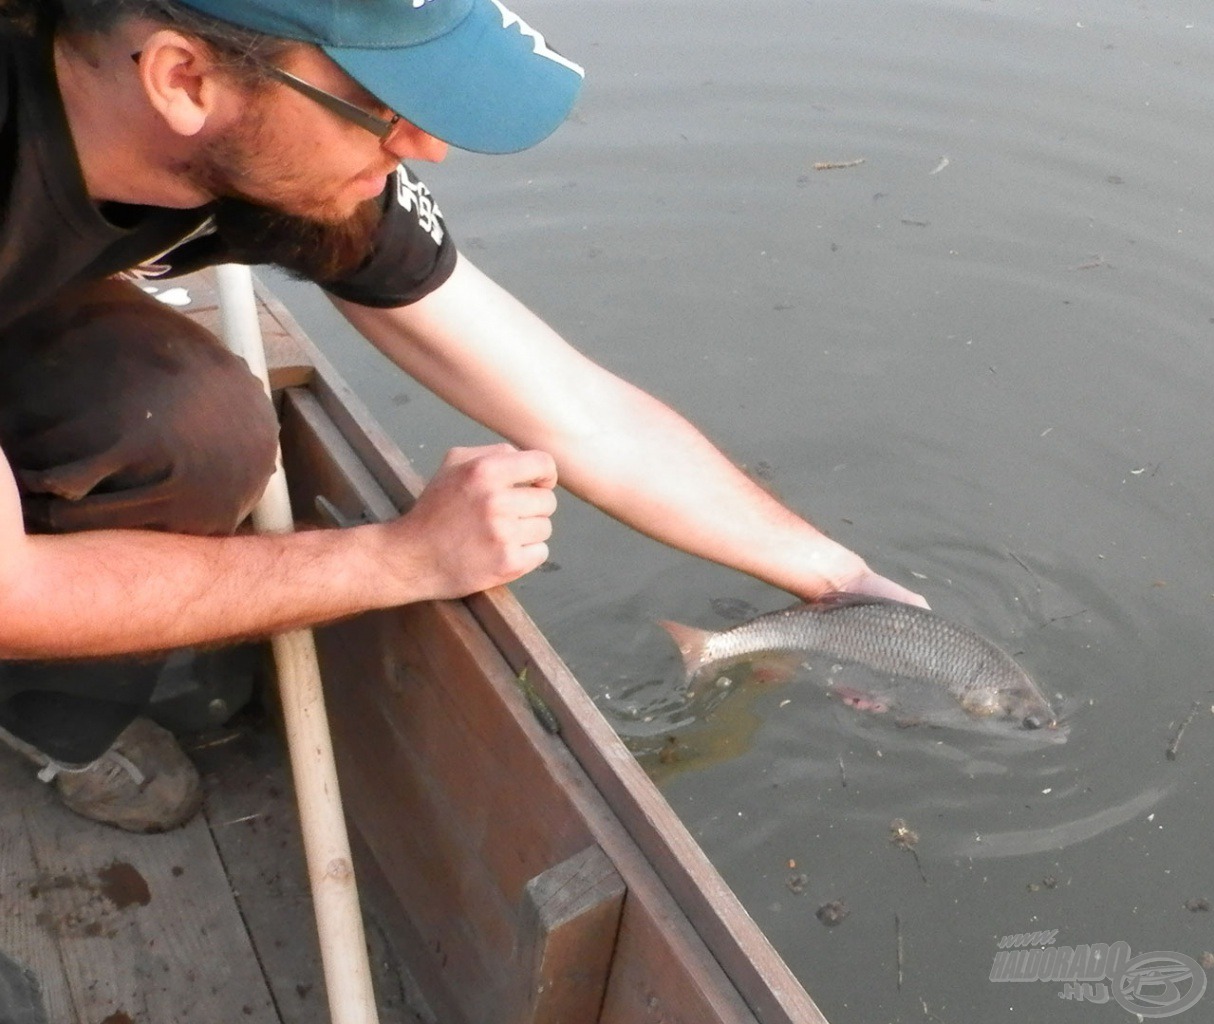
(51, 769)
(111, 761)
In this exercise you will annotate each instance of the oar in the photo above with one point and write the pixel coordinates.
(343, 946)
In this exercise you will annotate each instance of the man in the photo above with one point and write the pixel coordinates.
(157, 136)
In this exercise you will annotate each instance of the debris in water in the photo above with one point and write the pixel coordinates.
(837, 165)
(902, 834)
(832, 913)
(670, 751)
(1174, 746)
(940, 166)
(906, 838)
(1207, 960)
(928, 1013)
(1092, 264)
(1197, 904)
(733, 608)
(797, 883)
(898, 940)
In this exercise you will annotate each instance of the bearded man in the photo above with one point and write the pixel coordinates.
(156, 137)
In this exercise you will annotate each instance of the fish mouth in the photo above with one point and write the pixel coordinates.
(1054, 731)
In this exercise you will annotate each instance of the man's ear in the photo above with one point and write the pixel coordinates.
(180, 78)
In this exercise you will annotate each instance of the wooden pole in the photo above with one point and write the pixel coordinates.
(343, 945)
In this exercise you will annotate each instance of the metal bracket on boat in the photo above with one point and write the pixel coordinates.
(336, 517)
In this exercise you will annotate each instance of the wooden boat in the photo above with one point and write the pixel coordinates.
(511, 853)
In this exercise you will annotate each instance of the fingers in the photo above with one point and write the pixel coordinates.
(505, 465)
(878, 586)
(483, 519)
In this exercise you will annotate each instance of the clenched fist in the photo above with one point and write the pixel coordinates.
(484, 519)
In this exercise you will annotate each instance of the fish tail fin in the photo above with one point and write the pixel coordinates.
(690, 641)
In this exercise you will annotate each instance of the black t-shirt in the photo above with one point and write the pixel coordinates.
(52, 234)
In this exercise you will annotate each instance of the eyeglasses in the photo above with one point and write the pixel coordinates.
(379, 127)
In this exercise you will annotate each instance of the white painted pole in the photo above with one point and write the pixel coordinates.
(343, 945)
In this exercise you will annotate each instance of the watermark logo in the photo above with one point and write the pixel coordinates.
(1154, 985)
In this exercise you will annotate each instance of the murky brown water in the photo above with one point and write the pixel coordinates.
(983, 357)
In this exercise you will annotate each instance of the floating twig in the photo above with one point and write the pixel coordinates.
(1174, 746)
(903, 836)
(837, 165)
(842, 772)
(940, 166)
(1020, 562)
(898, 940)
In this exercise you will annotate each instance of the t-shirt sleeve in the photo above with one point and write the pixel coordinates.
(412, 254)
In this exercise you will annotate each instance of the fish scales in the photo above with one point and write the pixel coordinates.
(889, 637)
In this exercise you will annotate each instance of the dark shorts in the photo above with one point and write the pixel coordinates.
(117, 412)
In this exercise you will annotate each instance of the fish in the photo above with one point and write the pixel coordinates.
(887, 637)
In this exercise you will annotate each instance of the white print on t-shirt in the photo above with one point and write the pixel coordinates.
(539, 46)
(413, 195)
(153, 267)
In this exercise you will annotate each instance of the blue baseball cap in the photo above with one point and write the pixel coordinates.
(469, 72)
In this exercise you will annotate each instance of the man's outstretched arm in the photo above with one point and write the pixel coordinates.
(615, 446)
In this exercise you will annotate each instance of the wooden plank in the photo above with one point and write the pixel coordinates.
(446, 769)
(144, 927)
(746, 954)
(570, 920)
(393, 472)
(252, 817)
(23, 934)
(285, 360)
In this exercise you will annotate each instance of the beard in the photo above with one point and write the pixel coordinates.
(315, 250)
(269, 212)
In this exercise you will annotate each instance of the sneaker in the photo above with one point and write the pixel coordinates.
(143, 783)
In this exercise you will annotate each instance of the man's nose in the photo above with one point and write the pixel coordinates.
(408, 142)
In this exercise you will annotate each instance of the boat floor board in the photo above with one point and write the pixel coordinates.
(121, 928)
(212, 922)
(284, 360)
(255, 825)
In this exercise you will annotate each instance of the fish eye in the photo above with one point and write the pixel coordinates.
(1033, 721)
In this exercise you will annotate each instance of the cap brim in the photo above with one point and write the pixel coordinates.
(490, 85)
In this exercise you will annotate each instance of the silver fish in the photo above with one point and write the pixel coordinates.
(889, 637)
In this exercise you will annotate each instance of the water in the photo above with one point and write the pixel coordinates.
(981, 358)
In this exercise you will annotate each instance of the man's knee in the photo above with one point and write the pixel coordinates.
(117, 411)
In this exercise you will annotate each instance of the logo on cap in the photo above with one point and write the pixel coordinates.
(539, 45)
